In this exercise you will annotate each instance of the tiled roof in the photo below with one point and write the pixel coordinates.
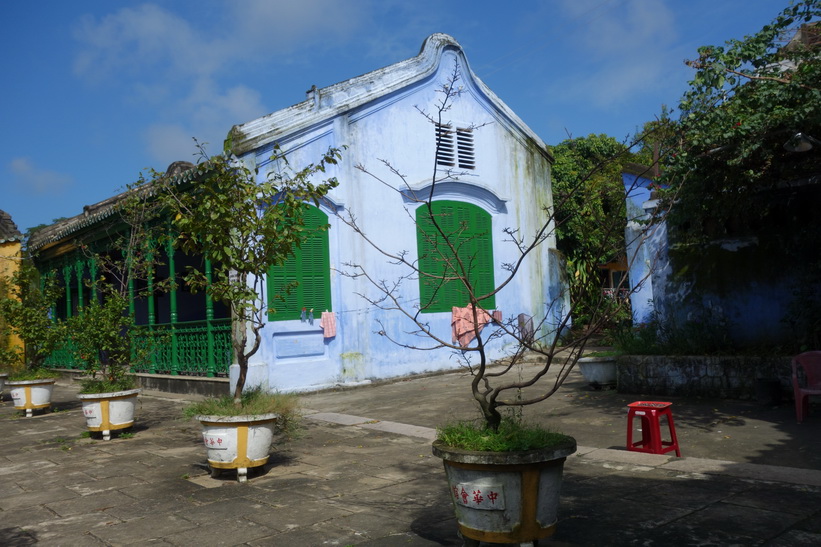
(8, 229)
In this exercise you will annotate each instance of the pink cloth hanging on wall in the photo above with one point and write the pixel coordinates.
(462, 324)
(328, 324)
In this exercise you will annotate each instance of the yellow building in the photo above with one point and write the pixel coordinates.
(10, 253)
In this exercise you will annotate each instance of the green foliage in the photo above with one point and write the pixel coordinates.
(703, 334)
(253, 403)
(99, 336)
(589, 201)
(746, 100)
(102, 339)
(26, 312)
(588, 195)
(244, 225)
(109, 385)
(512, 435)
(33, 374)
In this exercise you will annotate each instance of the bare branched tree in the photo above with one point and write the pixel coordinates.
(448, 243)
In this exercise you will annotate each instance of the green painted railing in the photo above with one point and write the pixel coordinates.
(193, 348)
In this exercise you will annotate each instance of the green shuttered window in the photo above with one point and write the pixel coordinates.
(469, 229)
(310, 268)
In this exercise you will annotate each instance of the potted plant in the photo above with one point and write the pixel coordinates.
(504, 475)
(240, 436)
(102, 339)
(26, 311)
(242, 226)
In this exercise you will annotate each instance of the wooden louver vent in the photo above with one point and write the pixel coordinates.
(454, 147)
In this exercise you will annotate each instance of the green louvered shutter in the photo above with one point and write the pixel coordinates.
(310, 268)
(469, 229)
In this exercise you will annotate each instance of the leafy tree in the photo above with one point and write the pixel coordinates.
(26, 311)
(243, 226)
(102, 336)
(746, 100)
(588, 195)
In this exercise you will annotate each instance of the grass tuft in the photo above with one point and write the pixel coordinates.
(107, 386)
(513, 435)
(254, 402)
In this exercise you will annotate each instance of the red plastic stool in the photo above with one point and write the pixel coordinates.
(650, 412)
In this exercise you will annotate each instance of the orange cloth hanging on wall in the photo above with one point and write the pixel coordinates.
(462, 324)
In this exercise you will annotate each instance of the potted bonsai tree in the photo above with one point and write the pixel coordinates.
(242, 225)
(102, 339)
(503, 474)
(26, 311)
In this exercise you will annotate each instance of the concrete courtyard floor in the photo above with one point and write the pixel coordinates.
(361, 472)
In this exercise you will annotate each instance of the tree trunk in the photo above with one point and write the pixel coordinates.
(239, 337)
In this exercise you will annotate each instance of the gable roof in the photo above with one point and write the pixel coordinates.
(328, 102)
(8, 229)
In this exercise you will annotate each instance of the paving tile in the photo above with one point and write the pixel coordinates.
(222, 532)
(795, 538)
(89, 504)
(287, 516)
(140, 530)
(37, 497)
(55, 528)
(323, 533)
(784, 498)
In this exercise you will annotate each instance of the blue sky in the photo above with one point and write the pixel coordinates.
(95, 92)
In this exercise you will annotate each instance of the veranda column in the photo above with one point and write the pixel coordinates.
(172, 275)
(79, 267)
(209, 328)
(92, 268)
(67, 281)
(152, 317)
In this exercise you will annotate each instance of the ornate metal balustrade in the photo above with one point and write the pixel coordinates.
(192, 349)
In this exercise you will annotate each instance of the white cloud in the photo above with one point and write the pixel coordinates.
(137, 41)
(30, 179)
(274, 28)
(622, 50)
(168, 143)
(208, 106)
(176, 65)
(152, 42)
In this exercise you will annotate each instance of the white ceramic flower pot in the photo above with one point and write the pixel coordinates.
(237, 442)
(600, 372)
(107, 412)
(30, 395)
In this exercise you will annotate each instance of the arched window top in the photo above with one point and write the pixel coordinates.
(475, 193)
